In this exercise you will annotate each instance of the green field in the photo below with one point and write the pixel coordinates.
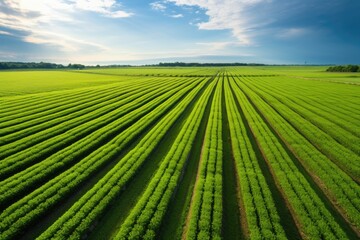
(268, 152)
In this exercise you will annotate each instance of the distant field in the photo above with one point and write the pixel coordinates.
(156, 71)
(180, 153)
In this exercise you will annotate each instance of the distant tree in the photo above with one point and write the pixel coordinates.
(348, 68)
(352, 68)
(76, 66)
(40, 65)
(182, 64)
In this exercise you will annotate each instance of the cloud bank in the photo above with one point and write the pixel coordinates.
(228, 15)
(36, 22)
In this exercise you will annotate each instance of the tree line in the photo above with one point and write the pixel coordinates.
(344, 68)
(40, 65)
(195, 64)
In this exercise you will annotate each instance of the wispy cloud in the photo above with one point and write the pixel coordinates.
(293, 33)
(227, 14)
(100, 30)
(177, 15)
(162, 6)
(158, 6)
(238, 16)
(107, 8)
(6, 33)
(66, 43)
(37, 21)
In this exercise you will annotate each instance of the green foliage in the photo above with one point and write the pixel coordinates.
(308, 207)
(93, 204)
(76, 66)
(262, 217)
(182, 64)
(347, 68)
(206, 208)
(41, 65)
(303, 136)
(44, 83)
(61, 186)
(93, 132)
(60, 129)
(151, 206)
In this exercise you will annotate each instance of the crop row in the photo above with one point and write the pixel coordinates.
(19, 183)
(205, 214)
(315, 220)
(314, 115)
(321, 95)
(262, 218)
(338, 185)
(95, 201)
(344, 120)
(340, 155)
(55, 127)
(111, 100)
(84, 151)
(14, 104)
(52, 108)
(31, 101)
(37, 103)
(33, 152)
(22, 119)
(35, 122)
(24, 212)
(146, 216)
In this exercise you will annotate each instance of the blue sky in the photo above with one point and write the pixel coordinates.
(138, 31)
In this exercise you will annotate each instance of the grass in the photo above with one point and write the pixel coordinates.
(26, 82)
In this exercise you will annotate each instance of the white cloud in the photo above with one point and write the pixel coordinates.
(177, 15)
(293, 33)
(161, 6)
(228, 14)
(119, 14)
(158, 6)
(104, 7)
(67, 43)
(6, 33)
(57, 9)
(38, 21)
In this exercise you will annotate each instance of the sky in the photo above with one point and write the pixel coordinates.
(145, 32)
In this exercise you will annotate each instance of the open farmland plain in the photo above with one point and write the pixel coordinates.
(180, 153)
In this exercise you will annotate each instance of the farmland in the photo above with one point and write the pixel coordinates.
(267, 152)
